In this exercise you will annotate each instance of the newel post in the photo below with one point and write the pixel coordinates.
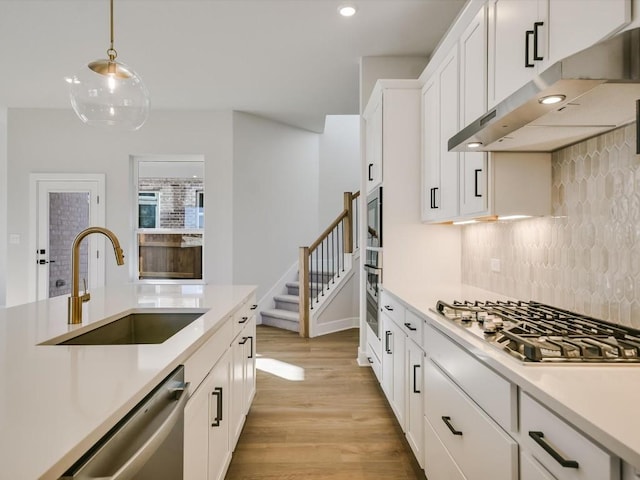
(348, 223)
(304, 289)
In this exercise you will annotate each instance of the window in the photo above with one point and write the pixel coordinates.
(169, 218)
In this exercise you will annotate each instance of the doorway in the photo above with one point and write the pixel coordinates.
(65, 204)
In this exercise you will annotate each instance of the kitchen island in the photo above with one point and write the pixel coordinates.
(598, 400)
(57, 401)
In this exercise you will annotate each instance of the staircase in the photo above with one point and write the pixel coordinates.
(286, 314)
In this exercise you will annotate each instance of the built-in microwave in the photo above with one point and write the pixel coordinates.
(374, 218)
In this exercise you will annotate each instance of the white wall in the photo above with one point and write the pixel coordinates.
(50, 141)
(373, 69)
(3, 205)
(339, 165)
(275, 198)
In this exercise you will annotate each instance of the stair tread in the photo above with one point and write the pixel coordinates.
(287, 298)
(297, 284)
(284, 314)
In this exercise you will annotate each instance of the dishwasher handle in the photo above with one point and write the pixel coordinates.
(140, 457)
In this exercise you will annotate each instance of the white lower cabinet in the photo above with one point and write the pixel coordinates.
(243, 377)
(438, 464)
(207, 452)
(481, 448)
(415, 399)
(560, 449)
(222, 378)
(393, 367)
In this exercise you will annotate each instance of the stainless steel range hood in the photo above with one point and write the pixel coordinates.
(600, 84)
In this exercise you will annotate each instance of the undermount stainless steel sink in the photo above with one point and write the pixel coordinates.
(134, 329)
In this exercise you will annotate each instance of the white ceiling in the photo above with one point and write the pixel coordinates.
(291, 60)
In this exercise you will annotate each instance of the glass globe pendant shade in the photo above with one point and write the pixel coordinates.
(106, 93)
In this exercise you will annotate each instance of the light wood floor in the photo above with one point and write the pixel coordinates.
(334, 424)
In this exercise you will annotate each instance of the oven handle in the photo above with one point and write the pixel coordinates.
(149, 447)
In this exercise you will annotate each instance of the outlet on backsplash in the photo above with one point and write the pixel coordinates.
(495, 265)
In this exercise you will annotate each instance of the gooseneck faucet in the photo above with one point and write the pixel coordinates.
(76, 300)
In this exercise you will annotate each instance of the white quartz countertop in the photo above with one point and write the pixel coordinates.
(600, 400)
(57, 401)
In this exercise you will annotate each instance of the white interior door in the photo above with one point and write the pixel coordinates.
(65, 205)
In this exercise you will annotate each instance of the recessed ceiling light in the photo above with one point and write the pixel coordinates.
(474, 144)
(347, 10)
(551, 99)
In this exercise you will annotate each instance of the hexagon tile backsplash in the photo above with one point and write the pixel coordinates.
(586, 256)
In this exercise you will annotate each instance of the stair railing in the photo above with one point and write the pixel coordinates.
(324, 259)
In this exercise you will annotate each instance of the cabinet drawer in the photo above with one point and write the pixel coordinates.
(200, 363)
(413, 327)
(393, 308)
(558, 441)
(479, 447)
(374, 361)
(495, 395)
(243, 314)
(438, 464)
(530, 469)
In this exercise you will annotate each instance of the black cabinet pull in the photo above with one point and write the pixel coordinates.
(251, 345)
(415, 368)
(477, 171)
(217, 392)
(370, 360)
(369, 173)
(536, 25)
(389, 307)
(528, 34)
(410, 327)
(253, 307)
(538, 437)
(243, 341)
(447, 422)
(433, 197)
(244, 320)
(387, 334)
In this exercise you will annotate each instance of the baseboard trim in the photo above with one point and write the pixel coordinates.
(336, 326)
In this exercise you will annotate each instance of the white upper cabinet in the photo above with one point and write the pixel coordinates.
(440, 113)
(527, 36)
(473, 104)
(517, 44)
(373, 143)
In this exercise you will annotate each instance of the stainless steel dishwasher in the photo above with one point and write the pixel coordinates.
(146, 444)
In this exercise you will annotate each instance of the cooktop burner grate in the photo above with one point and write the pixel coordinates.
(535, 332)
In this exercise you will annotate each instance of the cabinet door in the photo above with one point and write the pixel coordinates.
(511, 45)
(236, 408)
(430, 149)
(249, 365)
(218, 420)
(373, 146)
(438, 463)
(414, 391)
(473, 104)
(576, 24)
(447, 200)
(393, 367)
(196, 434)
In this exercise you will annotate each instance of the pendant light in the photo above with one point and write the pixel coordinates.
(107, 93)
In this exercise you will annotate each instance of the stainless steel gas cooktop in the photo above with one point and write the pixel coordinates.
(534, 332)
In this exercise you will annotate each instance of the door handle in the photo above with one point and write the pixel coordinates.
(528, 34)
(538, 437)
(447, 422)
(369, 175)
(536, 26)
(217, 392)
(415, 368)
(477, 171)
